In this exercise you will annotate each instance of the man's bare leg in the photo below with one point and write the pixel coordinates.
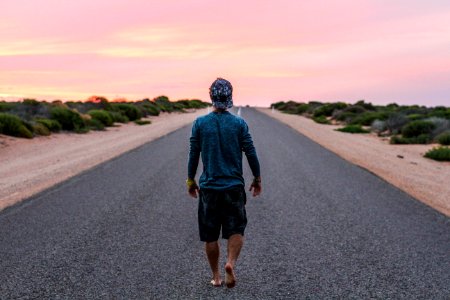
(213, 252)
(235, 243)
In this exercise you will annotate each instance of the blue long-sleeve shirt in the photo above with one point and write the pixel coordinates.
(221, 138)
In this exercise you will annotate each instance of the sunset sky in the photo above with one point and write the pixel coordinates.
(381, 50)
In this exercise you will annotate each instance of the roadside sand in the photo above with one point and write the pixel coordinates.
(402, 165)
(30, 166)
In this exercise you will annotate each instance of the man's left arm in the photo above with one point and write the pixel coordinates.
(252, 158)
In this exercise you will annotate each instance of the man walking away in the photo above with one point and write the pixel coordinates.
(220, 138)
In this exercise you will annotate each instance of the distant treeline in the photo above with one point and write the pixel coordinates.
(403, 124)
(29, 117)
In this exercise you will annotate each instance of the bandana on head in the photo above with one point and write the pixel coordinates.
(221, 93)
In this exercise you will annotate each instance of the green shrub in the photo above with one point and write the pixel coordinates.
(356, 109)
(69, 119)
(395, 122)
(178, 106)
(163, 103)
(328, 109)
(28, 125)
(421, 139)
(95, 124)
(440, 125)
(181, 103)
(195, 103)
(417, 128)
(367, 118)
(292, 107)
(321, 120)
(353, 129)
(101, 115)
(392, 106)
(378, 126)
(312, 106)
(6, 106)
(444, 138)
(32, 102)
(365, 105)
(301, 108)
(345, 116)
(278, 105)
(142, 122)
(151, 109)
(440, 112)
(348, 113)
(29, 108)
(13, 125)
(281, 106)
(413, 109)
(40, 129)
(439, 153)
(94, 102)
(398, 140)
(144, 106)
(118, 117)
(52, 125)
(129, 110)
(81, 130)
(415, 117)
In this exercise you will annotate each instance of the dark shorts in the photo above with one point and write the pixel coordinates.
(221, 209)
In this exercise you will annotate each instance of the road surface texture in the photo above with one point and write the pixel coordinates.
(322, 229)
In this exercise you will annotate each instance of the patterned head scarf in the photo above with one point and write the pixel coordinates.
(221, 93)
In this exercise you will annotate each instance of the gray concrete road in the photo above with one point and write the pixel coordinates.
(322, 229)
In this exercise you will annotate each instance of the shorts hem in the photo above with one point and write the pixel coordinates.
(227, 236)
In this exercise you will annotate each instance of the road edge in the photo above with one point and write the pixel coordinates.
(443, 210)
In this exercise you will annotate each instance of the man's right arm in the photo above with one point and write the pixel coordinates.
(194, 151)
(250, 151)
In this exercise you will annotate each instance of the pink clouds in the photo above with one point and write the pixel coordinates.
(329, 50)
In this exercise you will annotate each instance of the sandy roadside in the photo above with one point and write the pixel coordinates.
(402, 165)
(30, 166)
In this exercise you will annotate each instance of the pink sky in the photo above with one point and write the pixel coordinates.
(381, 50)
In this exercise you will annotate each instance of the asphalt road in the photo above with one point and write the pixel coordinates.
(323, 228)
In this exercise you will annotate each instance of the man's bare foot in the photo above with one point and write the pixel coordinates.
(216, 282)
(230, 279)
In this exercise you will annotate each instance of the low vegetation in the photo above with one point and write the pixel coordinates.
(353, 129)
(444, 138)
(417, 128)
(439, 153)
(102, 115)
(402, 140)
(29, 117)
(40, 129)
(129, 110)
(69, 119)
(403, 124)
(52, 125)
(95, 124)
(142, 122)
(14, 126)
(321, 120)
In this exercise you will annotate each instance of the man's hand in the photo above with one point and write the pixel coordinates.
(193, 188)
(256, 186)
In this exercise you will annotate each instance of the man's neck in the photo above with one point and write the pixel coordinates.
(219, 110)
